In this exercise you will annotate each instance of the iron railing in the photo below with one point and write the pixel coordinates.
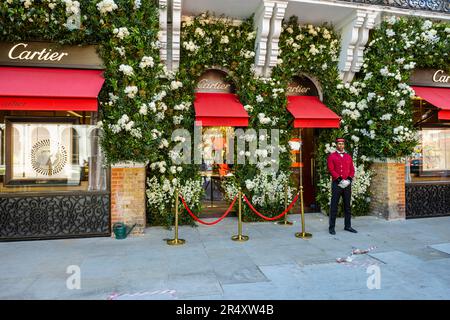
(442, 6)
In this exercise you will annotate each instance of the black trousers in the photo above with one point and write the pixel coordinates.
(336, 193)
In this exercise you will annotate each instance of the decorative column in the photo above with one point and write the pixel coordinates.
(262, 19)
(128, 195)
(274, 36)
(170, 32)
(162, 35)
(388, 189)
(354, 35)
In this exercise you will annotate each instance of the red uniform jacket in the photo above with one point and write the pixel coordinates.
(339, 166)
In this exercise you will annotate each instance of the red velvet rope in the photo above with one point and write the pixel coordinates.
(204, 222)
(273, 218)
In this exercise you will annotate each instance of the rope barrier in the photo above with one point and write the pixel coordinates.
(204, 222)
(273, 218)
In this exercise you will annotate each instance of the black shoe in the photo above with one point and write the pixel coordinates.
(350, 229)
(331, 230)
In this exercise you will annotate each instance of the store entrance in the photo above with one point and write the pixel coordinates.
(309, 138)
(215, 169)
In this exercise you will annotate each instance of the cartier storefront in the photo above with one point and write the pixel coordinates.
(428, 169)
(52, 181)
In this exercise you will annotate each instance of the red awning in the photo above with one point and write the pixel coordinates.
(219, 109)
(438, 97)
(309, 112)
(49, 89)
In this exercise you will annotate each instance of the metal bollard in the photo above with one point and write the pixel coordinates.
(239, 236)
(176, 241)
(303, 234)
(285, 221)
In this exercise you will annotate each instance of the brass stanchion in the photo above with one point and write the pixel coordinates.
(285, 221)
(303, 234)
(176, 241)
(239, 236)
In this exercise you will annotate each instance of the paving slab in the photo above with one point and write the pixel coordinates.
(413, 257)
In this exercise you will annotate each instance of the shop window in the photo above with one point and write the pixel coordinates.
(430, 161)
(53, 153)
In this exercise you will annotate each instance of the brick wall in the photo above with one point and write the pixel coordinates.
(388, 189)
(128, 196)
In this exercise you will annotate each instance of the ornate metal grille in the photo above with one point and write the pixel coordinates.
(427, 200)
(46, 216)
(430, 5)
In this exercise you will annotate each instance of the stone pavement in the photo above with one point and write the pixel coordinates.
(412, 257)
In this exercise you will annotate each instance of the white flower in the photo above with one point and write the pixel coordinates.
(384, 71)
(259, 99)
(115, 128)
(391, 20)
(371, 95)
(27, 3)
(263, 119)
(224, 39)
(390, 33)
(126, 69)
(313, 50)
(146, 62)
(247, 54)
(131, 91)
(251, 35)
(190, 46)
(136, 132)
(72, 7)
(121, 32)
(354, 138)
(137, 4)
(174, 85)
(290, 30)
(427, 24)
(143, 109)
(409, 66)
(105, 6)
(199, 32)
(386, 117)
(120, 50)
(177, 119)
(248, 108)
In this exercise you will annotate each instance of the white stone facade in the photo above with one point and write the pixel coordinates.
(352, 20)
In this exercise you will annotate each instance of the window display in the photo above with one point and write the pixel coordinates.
(431, 157)
(47, 152)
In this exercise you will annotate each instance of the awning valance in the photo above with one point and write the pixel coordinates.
(438, 97)
(309, 112)
(49, 89)
(219, 109)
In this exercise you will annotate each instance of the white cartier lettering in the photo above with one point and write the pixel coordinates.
(208, 84)
(297, 89)
(43, 55)
(438, 76)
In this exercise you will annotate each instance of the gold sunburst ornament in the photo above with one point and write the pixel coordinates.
(46, 160)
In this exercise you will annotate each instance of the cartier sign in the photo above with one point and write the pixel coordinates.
(301, 86)
(430, 78)
(47, 54)
(214, 80)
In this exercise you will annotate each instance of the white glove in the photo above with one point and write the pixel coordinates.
(344, 184)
